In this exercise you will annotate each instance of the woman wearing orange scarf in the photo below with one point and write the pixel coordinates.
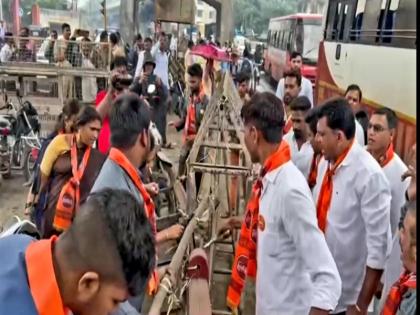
(69, 157)
(280, 243)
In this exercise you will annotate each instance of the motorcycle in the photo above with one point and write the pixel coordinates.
(19, 141)
(15, 225)
(162, 173)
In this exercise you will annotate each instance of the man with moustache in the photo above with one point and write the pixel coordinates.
(311, 120)
(353, 201)
(292, 88)
(297, 138)
(296, 63)
(294, 270)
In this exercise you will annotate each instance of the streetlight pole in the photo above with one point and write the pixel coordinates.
(1, 9)
(103, 11)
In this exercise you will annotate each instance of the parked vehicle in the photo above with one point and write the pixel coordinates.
(19, 129)
(163, 174)
(15, 225)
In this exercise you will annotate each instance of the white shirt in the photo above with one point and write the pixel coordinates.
(89, 86)
(162, 64)
(393, 268)
(360, 134)
(306, 89)
(358, 229)
(139, 67)
(6, 53)
(393, 171)
(295, 270)
(301, 158)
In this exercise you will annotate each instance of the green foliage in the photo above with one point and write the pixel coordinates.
(255, 14)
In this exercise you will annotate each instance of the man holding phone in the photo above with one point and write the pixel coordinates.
(119, 83)
(150, 86)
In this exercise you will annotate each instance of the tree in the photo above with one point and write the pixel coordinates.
(255, 14)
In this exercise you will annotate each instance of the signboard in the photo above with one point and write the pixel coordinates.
(177, 11)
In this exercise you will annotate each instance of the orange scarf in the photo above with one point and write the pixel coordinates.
(42, 279)
(325, 194)
(69, 199)
(389, 154)
(118, 157)
(245, 262)
(313, 172)
(406, 281)
(288, 125)
(190, 128)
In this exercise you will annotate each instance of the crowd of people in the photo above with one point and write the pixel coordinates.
(330, 223)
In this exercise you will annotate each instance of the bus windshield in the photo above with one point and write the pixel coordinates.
(312, 35)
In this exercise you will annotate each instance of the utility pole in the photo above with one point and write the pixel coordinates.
(1, 9)
(103, 11)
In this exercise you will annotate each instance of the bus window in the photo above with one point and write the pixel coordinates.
(387, 20)
(312, 36)
(298, 44)
(405, 25)
(355, 31)
(336, 21)
(343, 22)
(279, 42)
(291, 43)
(333, 17)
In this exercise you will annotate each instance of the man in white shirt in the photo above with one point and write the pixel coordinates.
(6, 51)
(292, 87)
(297, 138)
(354, 97)
(353, 207)
(147, 45)
(159, 52)
(296, 63)
(296, 274)
(381, 131)
(89, 86)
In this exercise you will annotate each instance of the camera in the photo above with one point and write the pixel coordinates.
(119, 83)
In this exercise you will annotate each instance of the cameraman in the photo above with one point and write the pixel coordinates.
(119, 83)
(150, 86)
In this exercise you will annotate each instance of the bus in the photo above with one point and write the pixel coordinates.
(299, 32)
(372, 43)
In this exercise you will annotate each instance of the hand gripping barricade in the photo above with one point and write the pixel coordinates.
(200, 248)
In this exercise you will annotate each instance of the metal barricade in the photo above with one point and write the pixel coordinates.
(51, 71)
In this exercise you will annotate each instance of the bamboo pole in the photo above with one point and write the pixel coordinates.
(177, 259)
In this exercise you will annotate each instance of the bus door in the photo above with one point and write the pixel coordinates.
(340, 19)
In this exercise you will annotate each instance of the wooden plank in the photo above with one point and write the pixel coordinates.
(223, 145)
(198, 296)
(176, 262)
(220, 166)
(181, 195)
